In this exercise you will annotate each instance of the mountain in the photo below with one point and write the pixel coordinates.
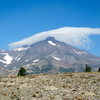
(47, 56)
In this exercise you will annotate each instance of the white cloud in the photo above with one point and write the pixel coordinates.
(76, 36)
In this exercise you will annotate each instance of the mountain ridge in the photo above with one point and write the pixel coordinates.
(47, 56)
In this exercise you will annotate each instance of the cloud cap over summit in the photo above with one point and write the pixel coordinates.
(76, 36)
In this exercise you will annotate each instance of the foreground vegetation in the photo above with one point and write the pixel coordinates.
(66, 86)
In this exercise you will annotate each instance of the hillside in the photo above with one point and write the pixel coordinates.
(66, 86)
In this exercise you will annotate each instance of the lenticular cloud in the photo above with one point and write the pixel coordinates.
(76, 36)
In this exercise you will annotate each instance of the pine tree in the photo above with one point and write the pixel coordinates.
(99, 69)
(87, 68)
(22, 72)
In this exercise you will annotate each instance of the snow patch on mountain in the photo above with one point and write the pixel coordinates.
(18, 59)
(50, 42)
(7, 59)
(80, 52)
(21, 49)
(26, 60)
(56, 58)
(36, 60)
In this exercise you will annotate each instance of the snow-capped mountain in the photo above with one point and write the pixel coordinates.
(47, 56)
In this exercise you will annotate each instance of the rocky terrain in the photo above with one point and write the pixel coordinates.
(65, 86)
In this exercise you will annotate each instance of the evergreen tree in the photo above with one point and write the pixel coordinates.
(87, 68)
(22, 72)
(99, 69)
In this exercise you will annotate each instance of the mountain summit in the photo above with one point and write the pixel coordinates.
(47, 56)
(50, 38)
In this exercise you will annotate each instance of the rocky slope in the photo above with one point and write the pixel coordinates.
(47, 56)
(67, 86)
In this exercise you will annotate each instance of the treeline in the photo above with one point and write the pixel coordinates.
(22, 71)
(89, 69)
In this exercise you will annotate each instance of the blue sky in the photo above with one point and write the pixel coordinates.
(20, 19)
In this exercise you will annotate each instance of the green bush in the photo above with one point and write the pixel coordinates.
(22, 72)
